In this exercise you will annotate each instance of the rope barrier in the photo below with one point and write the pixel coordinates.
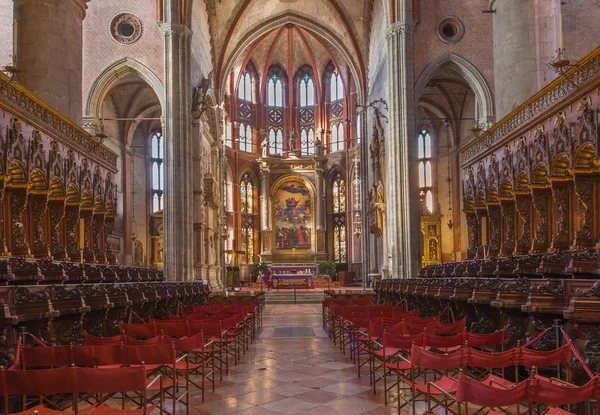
(38, 341)
(138, 317)
(535, 339)
(17, 355)
(576, 354)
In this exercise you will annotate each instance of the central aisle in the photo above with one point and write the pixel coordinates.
(293, 368)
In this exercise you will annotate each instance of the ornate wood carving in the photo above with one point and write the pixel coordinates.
(584, 189)
(473, 225)
(39, 203)
(541, 241)
(560, 196)
(495, 224)
(19, 245)
(97, 236)
(523, 207)
(507, 209)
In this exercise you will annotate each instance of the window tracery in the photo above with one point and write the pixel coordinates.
(424, 155)
(339, 219)
(247, 207)
(158, 173)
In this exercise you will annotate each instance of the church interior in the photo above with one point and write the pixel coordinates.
(300, 207)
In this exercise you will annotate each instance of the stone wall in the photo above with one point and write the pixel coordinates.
(100, 50)
(476, 46)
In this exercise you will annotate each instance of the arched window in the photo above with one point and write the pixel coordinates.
(275, 92)
(247, 206)
(307, 92)
(246, 193)
(337, 137)
(307, 141)
(339, 219)
(275, 140)
(424, 154)
(336, 87)
(158, 171)
(358, 128)
(245, 87)
(245, 138)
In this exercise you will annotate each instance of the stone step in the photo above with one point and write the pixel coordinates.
(287, 297)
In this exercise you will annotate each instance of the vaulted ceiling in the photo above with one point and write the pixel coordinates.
(290, 33)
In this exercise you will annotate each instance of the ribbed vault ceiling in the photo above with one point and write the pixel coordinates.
(263, 31)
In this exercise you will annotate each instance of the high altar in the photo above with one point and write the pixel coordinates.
(292, 210)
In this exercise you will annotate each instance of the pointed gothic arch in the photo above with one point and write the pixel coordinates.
(113, 73)
(471, 75)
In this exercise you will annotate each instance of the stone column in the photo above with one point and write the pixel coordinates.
(402, 199)
(50, 51)
(197, 138)
(525, 40)
(178, 219)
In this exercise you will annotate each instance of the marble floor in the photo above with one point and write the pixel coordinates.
(293, 368)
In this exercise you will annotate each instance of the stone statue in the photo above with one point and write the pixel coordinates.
(265, 147)
(291, 143)
(318, 147)
(138, 254)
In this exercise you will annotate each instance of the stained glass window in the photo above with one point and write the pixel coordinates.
(424, 154)
(158, 172)
(245, 87)
(275, 92)
(247, 240)
(337, 87)
(275, 140)
(339, 195)
(247, 207)
(337, 137)
(339, 239)
(307, 92)
(339, 219)
(245, 138)
(358, 128)
(307, 141)
(246, 193)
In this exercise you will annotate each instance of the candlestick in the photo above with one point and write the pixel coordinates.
(560, 33)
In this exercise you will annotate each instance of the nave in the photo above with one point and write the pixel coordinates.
(296, 374)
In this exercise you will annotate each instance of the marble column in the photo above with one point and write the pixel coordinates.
(50, 51)
(178, 209)
(402, 199)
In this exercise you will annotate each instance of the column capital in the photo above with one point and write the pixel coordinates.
(175, 29)
(399, 28)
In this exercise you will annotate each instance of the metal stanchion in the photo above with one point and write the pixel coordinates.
(557, 325)
(294, 294)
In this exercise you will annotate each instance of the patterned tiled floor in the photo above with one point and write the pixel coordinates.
(304, 375)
